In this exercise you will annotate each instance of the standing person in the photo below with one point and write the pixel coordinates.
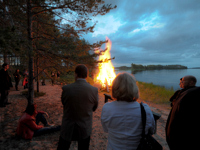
(5, 84)
(25, 73)
(182, 128)
(43, 77)
(186, 83)
(122, 119)
(58, 77)
(17, 77)
(53, 78)
(79, 100)
(25, 80)
(58, 74)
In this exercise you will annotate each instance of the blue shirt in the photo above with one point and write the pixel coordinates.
(123, 123)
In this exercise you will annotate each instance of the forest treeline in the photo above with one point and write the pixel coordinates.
(151, 67)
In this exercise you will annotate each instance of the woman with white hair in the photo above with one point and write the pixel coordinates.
(121, 119)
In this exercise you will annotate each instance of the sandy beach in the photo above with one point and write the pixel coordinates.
(51, 103)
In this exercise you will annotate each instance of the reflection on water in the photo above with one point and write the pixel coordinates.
(167, 78)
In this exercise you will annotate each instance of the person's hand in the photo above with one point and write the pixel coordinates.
(46, 114)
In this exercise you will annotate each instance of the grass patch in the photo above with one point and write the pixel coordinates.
(36, 94)
(154, 93)
(68, 79)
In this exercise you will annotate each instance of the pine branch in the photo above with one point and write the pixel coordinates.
(105, 60)
(53, 8)
(51, 53)
(24, 9)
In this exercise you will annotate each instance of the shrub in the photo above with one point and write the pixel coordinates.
(36, 94)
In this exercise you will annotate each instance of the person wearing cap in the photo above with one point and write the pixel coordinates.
(186, 83)
(5, 84)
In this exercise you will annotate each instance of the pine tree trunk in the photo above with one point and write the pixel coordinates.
(30, 54)
(5, 58)
(37, 65)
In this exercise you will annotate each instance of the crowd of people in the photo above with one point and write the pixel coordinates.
(6, 82)
(121, 118)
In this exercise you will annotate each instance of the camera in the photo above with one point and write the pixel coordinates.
(107, 97)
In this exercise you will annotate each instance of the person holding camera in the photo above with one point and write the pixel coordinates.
(121, 119)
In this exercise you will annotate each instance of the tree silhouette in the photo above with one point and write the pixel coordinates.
(51, 32)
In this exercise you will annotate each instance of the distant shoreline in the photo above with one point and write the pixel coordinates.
(139, 67)
(194, 68)
(129, 68)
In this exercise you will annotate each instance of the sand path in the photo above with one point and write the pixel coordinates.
(51, 103)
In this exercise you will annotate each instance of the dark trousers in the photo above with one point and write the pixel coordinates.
(40, 118)
(26, 86)
(53, 81)
(16, 84)
(4, 97)
(43, 82)
(83, 144)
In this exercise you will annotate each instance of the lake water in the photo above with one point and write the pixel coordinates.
(166, 78)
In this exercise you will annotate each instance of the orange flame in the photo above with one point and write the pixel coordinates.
(106, 70)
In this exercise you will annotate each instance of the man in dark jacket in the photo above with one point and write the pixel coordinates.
(5, 84)
(79, 100)
(186, 83)
(182, 128)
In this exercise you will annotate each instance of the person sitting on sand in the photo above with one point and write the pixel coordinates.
(28, 125)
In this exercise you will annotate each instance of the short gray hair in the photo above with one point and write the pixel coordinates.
(124, 87)
(191, 78)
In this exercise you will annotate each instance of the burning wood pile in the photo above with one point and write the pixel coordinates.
(106, 72)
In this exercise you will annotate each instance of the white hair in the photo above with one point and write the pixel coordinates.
(124, 87)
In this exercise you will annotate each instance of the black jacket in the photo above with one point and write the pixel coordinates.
(183, 125)
(177, 95)
(5, 80)
(16, 76)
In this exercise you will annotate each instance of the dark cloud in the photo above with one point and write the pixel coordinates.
(152, 32)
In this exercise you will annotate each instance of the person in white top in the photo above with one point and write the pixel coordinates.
(121, 119)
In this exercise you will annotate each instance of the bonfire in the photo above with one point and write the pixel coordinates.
(106, 70)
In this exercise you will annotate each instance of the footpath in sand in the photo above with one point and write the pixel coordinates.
(51, 103)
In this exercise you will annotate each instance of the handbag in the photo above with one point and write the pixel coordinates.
(147, 142)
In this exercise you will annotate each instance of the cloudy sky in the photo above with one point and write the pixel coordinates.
(151, 32)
